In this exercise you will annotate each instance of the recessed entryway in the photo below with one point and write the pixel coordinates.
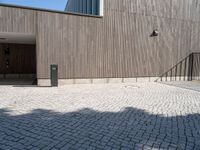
(17, 59)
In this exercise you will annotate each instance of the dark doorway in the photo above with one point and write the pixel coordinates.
(17, 63)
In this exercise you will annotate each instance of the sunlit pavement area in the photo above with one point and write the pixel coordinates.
(105, 116)
(193, 85)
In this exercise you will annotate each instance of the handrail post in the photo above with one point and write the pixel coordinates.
(171, 75)
(185, 68)
(175, 72)
(190, 67)
(180, 73)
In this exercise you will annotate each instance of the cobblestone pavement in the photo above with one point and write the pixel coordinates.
(108, 116)
(192, 85)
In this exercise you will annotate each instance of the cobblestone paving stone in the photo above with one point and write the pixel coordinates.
(108, 116)
(192, 85)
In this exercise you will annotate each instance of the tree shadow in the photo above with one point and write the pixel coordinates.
(131, 129)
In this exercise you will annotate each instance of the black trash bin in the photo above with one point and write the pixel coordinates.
(54, 75)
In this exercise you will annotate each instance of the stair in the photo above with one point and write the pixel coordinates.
(187, 69)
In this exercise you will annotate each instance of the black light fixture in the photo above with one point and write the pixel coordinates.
(2, 38)
(155, 33)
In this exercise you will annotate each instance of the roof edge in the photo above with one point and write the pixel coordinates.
(49, 10)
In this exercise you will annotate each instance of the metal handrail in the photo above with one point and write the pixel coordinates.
(188, 66)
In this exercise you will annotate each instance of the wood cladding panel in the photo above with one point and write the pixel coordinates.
(17, 20)
(144, 7)
(186, 9)
(117, 45)
(22, 59)
(176, 9)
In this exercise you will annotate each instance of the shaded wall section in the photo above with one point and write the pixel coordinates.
(21, 59)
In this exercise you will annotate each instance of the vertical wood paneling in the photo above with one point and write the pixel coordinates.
(117, 45)
(17, 20)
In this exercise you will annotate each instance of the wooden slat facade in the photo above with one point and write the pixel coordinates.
(114, 46)
(17, 20)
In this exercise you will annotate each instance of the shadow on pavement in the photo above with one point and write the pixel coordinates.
(88, 129)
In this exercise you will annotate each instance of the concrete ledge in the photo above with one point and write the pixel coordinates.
(44, 82)
(168, 79)
(115, 80)
(47, 82)
(196, 78)
(65, 81)
(143, 79)
(153, 79)
(99, 81)
(129, 80)
(181, 78)
(82, 81)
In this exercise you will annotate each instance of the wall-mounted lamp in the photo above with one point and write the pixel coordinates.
(155, 33)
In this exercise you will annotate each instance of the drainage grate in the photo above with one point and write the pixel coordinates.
(132, 86)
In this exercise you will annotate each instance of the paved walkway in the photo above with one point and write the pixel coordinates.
(109, 116)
